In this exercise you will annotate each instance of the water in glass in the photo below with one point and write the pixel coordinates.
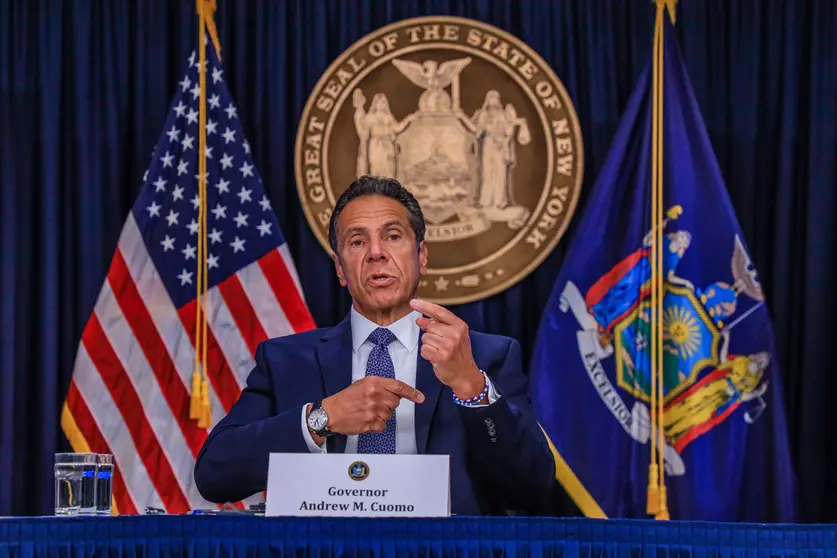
(75, 483)
(104, 484)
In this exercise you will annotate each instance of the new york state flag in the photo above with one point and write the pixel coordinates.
(724, 444)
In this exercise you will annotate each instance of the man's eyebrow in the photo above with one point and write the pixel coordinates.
(392, 224)
(355, 230)
(365, 230)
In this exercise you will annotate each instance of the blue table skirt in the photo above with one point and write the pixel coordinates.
(240, 535)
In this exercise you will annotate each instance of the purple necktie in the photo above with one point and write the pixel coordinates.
(379, 364)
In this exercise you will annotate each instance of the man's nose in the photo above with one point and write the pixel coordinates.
(376, 251)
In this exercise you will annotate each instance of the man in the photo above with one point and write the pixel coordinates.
(398, 375)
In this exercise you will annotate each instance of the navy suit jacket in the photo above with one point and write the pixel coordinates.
(500, 461)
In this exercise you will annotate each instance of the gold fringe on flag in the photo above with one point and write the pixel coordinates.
(657, 501)
(199, 405)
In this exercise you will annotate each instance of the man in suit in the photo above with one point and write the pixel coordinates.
(397, 375)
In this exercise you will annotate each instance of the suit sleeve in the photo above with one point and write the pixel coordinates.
(233, 461)
(506, 446)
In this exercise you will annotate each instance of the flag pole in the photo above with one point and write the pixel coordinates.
(657, 504)
(662, 507)
(199, 408)
(653, 499)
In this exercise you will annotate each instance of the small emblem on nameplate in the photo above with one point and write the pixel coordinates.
(358, 470)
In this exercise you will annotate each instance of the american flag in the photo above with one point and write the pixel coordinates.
(131, 386)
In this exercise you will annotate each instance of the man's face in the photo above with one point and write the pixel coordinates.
(378, 259)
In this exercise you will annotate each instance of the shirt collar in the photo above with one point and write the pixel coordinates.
(406, 330)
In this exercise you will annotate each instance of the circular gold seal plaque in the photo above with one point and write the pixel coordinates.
(468, 118)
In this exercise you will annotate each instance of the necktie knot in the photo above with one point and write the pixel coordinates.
(382, 337)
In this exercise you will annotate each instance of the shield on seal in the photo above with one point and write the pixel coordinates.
(690, 344)
(437, 162)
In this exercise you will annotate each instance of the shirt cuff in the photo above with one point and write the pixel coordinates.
(309, 440)
(493, 394)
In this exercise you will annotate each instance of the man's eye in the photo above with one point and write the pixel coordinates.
(394, 236)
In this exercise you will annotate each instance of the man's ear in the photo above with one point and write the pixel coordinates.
(338, 268)
(422, 257)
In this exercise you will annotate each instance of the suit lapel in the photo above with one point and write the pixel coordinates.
(334, 355)
(431, 387)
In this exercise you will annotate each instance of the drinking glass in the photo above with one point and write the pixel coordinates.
(75, 483)
(104, 484)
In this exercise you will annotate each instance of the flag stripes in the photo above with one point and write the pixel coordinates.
(131, 390)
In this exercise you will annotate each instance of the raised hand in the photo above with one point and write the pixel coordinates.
(447, 345)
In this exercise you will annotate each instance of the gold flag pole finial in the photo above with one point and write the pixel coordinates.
(671, 6)
(207, 8)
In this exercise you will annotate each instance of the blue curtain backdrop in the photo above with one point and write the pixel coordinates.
(85, 86)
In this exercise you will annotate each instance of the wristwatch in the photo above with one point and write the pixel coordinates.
(318, 422)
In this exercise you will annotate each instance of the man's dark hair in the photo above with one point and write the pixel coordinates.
(378, 186)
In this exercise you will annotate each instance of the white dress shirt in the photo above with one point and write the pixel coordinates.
(403, 352)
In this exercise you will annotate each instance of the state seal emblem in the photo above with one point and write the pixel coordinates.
(469, 119)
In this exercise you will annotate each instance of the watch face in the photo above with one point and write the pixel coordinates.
(317, 420)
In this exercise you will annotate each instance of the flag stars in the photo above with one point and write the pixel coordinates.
(177, 193)
(231, 111)
(208, 152)
(192, 117)
(215, 101)
(212, 261)
(196, 202)
(215, 235)
(237, 245)
(244, 195)
(196, 91)
(188, 142)
(189, 252)
(229, 135)
(154, 209)
(192, 59)
(211, 127)
(172, 217)
(173, 134)
(246, 146)
(264, 228)
(223, 186)
(240, 220)
(193, 227)
(182, 168)
(227, 161)
(217, 74)
(167, 159)
(265, 203)
(220, 211)
(185, 84)
(246, 170)
(180, 109)
(167, 243)
(160, 185)
(185, 277)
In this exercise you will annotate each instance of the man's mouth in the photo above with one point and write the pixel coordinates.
(381, 279)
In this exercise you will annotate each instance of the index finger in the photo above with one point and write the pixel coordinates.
(401, 389)
(434, 311)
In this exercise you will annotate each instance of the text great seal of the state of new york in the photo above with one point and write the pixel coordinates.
(468, 118)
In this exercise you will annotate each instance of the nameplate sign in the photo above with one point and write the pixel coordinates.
(358, 485)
